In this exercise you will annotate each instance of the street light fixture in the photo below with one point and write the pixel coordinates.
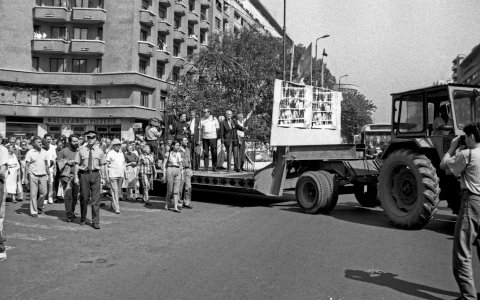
(316, 50)
(340, 80)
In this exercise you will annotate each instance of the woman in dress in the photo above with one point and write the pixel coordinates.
(146, 172)
(13, 173)
(172, 166)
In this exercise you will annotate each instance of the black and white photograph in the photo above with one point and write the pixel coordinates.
(239, 149)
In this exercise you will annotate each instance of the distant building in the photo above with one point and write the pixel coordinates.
(67, 66)
(467, 68)
(346, 88)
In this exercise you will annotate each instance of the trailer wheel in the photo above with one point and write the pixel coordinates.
(316, 192)
(366, 194)
(408, 189)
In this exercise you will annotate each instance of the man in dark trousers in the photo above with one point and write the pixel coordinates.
(89, 160)
(228, 128)
(66, 174)
(195, 150)
(180, 128)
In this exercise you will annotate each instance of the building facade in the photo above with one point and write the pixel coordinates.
(68, 66)
(466, 68)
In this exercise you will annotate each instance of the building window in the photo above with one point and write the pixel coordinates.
(219, 5)
(162, 42)
(98, 97)
(143, 35)
(100, 33)
(203, 14)
(160, 70)
(175, 73)
(203, 37)
(79, 97)
(163, 100)
(189, 51)
(177, 22)
(56, 97)
(142, 66)
(80, 33)
(176, 49)
(56, 3)
(79, 65)
(145, 4)
(59, 33)
(144, 99)
(99, 66)
(56, 65)
(218, 23)
(35, 62)
(191, 30)
(191, 5)
(162, 12)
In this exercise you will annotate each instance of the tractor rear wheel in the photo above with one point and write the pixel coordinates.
(316, 191)
(366, 194)
(408, 189)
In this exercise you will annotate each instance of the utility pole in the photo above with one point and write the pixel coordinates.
(321, 83)
(316, 50)
(284, 38)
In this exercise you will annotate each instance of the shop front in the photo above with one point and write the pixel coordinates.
(22, 127)
(105, 127)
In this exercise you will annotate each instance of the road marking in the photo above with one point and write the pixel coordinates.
(27, 237)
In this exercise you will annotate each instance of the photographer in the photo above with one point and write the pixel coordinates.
(463, 159)
(180, 128)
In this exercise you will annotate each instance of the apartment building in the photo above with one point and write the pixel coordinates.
(68, 66)
(466, 68)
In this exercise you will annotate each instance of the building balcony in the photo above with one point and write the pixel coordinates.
(226, 16)
(180, 8)
(164, 26)
(203, 46)
(147, 18)
(51, 14)
(80, 79)
(192, 42)
(89, 15)
(50, 45)
(178, 61)
(165, 3)
(204, 25)
(163, 56)
(178, 35)
(205, 3)
(145, 48)
(454, 68)
(88, 47)
(192, 17)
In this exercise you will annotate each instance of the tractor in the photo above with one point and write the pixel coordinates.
(411, 183)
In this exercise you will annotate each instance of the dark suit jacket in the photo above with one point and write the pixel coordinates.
(229, 131)
(196, 132)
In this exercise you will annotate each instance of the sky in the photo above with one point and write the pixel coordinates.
(384, 46)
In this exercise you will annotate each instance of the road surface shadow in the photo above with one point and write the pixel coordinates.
(389, 280)
(354, 213)
(235, 199)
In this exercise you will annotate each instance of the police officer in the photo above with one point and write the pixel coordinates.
(464, 162)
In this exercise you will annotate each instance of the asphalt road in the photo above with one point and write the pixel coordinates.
(229, 246)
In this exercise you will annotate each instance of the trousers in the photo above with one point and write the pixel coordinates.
(3, 199)
(70, 196)
(212, 144)
(90, 188)
(232, 150)
(186, 186)
(467, 231)
(116, 186)
(38, 192)
(173, 183)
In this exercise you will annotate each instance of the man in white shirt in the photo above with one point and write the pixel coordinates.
(52, 157)
(116, 172)
(194, 139)
(3, 197)
(208, 132)
(38, 175)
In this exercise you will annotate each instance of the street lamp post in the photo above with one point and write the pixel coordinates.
(340, 81)
(316, 50)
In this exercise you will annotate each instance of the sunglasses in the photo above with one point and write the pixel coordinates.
(91, 137)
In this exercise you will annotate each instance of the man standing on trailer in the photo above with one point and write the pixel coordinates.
(230, 139)
(208, 132)
(195, 148)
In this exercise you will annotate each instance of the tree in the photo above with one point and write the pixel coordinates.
(357, 111)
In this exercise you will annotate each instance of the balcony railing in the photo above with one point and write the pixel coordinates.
(147, 17)
(178, 35)
(178, 61)
(180, 8)
(192, 17)
(164, 26)
(165, 3)
(204, 25)
(145, 48)
(205, 3)
(50, 45)
(192, 42)
(163, 55)
(51, 13)
(89, 15)
(88, 47)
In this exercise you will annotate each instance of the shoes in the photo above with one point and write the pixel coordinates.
(187, 206)
(148, 204)
(69, 219)
(117, 212)
(139, 199)
(35, 216)
(176, 210)
(74, 216)
(96, 226)
(50, 200)
(82, 223)
(14, 200)
(214, 170)
(102, 204)
(40, 211)
(45, 201)
(3, 256)
(238, 170)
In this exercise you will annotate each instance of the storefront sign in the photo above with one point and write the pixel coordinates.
(83, 121)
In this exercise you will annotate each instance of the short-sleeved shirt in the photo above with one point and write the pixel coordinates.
(186, 158)
(116, 163)
(36, 160)
(3, 155)
(174, 158)
(467, 167)
(151, 133)
(131, 157)
(209, 127)
(98, 158)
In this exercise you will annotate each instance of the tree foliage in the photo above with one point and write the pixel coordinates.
(357, 111)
